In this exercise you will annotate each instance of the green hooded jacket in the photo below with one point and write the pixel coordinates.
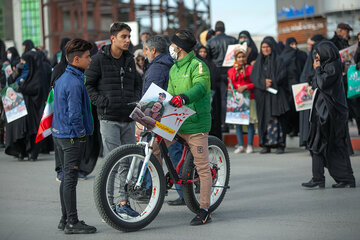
(191, 76)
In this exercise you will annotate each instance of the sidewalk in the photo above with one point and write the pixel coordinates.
(231, 140)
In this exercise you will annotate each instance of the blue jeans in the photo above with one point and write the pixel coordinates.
(239, 134)
(175, 152)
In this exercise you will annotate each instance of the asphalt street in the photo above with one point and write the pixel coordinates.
(265, 201)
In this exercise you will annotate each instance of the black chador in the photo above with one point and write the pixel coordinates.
(270, 107)
(307, 75)
(328, 139)
(294, 61)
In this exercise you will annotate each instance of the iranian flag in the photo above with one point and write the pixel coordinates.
(47, 118)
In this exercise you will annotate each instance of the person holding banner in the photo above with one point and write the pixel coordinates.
(239, 75)
(269, 78)
(328, 139)
(21, 133)
(189, 83)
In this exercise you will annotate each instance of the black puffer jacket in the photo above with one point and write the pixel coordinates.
(112, 90)
(217, 47)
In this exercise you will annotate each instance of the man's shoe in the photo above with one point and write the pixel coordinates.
(177, 202)
(59, 176)
(79, 228)
(265, 150)
(344, 185)
(62, 224)
(312, 184)
(280, 150)
(201, 218)
(81, 176)
(125, 211)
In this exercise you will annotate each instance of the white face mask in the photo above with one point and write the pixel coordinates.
(173, 54)
(9, 55)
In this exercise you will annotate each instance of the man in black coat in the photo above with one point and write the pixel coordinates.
(341, 36)
(114, 87)
(341, 41)
(217, 47)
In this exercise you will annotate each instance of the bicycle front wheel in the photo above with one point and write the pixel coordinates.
(111, 188)
(220, 169)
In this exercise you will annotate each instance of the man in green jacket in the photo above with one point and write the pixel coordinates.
(189, 83)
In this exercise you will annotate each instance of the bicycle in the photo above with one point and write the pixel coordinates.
(107, 182)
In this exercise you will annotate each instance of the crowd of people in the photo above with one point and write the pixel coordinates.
(116, 76)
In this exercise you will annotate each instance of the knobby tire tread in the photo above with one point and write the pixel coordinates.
(100, 188)
(187, 189)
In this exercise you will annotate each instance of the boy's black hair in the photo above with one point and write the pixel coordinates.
(116, 27)
(76, 47)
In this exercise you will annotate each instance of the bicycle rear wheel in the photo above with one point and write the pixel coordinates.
(220, 168)
(110, 188)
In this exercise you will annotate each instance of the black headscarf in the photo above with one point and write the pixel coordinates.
(289, 41)
(28, 45)
(268, 104)
(328, 52)
(254, 51)
(276, 48)
(294, 60)
(63, 42)
(15, 57)
(318, 38)
(308, 71)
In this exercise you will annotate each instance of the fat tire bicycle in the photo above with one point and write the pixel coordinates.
(141, 161)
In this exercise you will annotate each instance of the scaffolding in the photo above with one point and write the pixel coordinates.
(88, 19)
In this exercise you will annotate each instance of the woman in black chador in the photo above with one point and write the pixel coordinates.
(307, 75)
(269, 78)
(329, 136)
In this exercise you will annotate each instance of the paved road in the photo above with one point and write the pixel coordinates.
(265, 202)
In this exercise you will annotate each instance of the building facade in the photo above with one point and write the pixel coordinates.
(303, 19)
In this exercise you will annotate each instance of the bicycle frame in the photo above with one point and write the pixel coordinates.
(174, 172)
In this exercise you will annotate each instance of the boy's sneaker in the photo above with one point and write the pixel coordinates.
(81, 176)
(59, 176)
(125, 211)
(62, 224)
(79, 228)
(239, 149)
(249, 149)
(201, 218)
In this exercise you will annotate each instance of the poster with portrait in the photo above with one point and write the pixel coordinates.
(156, 114)
(302, 96)
(238, 106)
(14, 104)
(229, 56)
(348, 54)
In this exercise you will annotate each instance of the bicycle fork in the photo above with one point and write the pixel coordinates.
(134, 163)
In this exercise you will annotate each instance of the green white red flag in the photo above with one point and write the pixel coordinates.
(47, 118)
